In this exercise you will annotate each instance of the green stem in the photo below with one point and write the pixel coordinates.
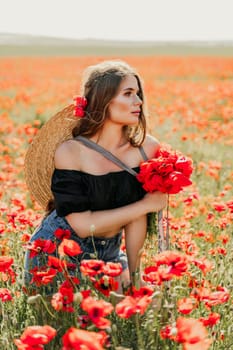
(167, 228)
(114, 335)
(139, 336)
(46, 307)
(92, 231)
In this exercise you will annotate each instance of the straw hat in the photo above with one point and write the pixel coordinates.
(39, 159)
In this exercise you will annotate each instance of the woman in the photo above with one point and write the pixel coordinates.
(91, 195)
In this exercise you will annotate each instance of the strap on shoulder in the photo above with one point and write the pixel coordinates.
(143, 153)
(105, 153)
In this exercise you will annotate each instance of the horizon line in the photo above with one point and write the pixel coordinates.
(117, 40)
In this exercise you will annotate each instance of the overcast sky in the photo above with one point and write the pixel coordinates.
(120, 19)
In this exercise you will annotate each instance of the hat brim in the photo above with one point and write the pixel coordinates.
(39, 159)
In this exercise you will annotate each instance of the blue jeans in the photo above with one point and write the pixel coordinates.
(108, 249)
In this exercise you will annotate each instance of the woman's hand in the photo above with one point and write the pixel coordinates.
(155, 201)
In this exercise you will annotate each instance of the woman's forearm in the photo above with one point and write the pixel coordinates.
(135, 234)
(105, 220)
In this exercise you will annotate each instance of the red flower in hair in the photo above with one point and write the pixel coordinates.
(80, 103)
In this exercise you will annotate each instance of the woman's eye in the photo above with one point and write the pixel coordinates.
(128, 93)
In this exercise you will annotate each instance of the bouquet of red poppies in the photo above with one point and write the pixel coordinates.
(168, 172)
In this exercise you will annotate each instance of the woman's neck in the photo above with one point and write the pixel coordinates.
(111, 137)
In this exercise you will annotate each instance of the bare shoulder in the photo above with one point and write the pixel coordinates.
(150, 145)
(67, 155)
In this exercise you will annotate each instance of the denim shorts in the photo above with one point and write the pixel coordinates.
(107, 249)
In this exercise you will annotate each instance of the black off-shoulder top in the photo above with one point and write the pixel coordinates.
(77, 191)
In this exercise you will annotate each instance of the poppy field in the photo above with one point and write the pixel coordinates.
(187, 303)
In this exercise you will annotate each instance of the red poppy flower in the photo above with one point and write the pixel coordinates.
(6, 269)
(57, 301)
(230, 206)
(60, 233)
(43, 275)
(34, 337)
(192, 334)
(86, 293)
(162, 167)
(189, 199)
(155, 183)
(83, 321)
(167, 265)
(60, 265)
(141, 292)
(224, 238)
(49, 247)
(177, 262)
(112, 269)
(97, 311)
(130, 306)
(175, 182)
(64, 298)
(184, 165)
(152, 275)
(69, 247)
(203, 264)
(212, 319)
(106, 284)
(186, 305)
(216, 298)
(5, 294)
(167, 154)
(40, 245)
(25, 237)
(219, 207)
(75, 339)
(217, 250)
(91, 267)
(168, 332)
(5, 263)
(145, 171)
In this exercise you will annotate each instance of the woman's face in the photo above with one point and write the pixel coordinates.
(125, 107)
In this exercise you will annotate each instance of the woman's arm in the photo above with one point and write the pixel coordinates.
(135, 234)
(105, 221)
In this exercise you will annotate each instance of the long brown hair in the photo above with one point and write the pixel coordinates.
(100, 85)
